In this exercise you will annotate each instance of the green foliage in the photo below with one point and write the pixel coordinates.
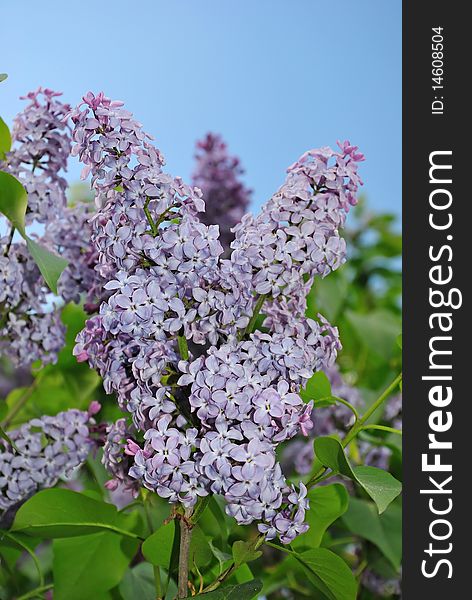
(327, 504)
(138, 583)
(381, 486)
(383, 530)
(244, 591)
(88, 565)
(244, 552)
(62, 513)
(3, 76)
(377, 331)
(329, 573)
(157, 548)
(318, 388)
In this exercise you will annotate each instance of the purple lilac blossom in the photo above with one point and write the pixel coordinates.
(217, 174)
(210, 421)
(30, 327)
(50, 447)
(40, 149)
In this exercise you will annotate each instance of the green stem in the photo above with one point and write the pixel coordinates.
(360, 569)
(36, 592)
(232, 567)
(370, 411)
(152, 225)
(31, 553)
(382, 428)
(255, 313)
(349, 406)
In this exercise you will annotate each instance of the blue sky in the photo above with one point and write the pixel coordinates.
(274, 77)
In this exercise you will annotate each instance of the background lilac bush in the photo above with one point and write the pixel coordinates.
(185, 367)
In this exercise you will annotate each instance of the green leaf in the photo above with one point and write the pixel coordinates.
(138, 582)
(328, 295)
(200, 552)
(57, 513)
(244, 552)
(243, 591)
(318, 387)
(5, 139)
(385, 530)
(50, 265)
(329, 573)
(3, 76)
(243, 574)
(381, 486)
(86, 566)
(325, 402)
(221, 557)
(330, 452)
(327, 504)
(377, 330)
(157, 548)
(13, 200)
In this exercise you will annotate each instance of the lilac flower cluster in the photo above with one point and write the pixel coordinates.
(49, 448)
(29, 329)
(41, 146)
(210, 398)
(226, 198)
